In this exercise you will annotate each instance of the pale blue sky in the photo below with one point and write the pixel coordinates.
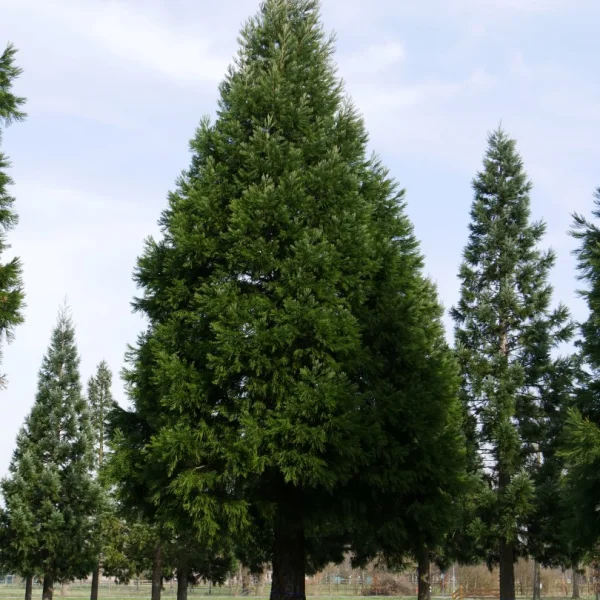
(116, 87)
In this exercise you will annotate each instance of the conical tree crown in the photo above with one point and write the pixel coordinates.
(505, 326)
(100, 403)
(59, 421)
(513, 387)
(293, 341)
(50, 495)
(268, 250)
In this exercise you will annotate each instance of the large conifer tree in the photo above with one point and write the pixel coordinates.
(506, 332)
(11, 286)
(50, 494)
(582, 439)
(294, 372)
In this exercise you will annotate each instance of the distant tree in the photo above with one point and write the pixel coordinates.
(128, 550)
(11, 284)
(50, 495)
(549, 540)
(192, 561)
(506, 333)
(101, 402)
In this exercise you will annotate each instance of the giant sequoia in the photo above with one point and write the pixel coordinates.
(294, 364)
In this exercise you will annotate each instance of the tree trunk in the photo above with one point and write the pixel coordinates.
(507, 570)
(95, 583)
(575, 584)
(288, 551)
(157, 572)
(424, 569)
(48, 587)
(536, 580)
(182, 584)
(507, 547)
(245, 581)
(28, 587)
(260, 586)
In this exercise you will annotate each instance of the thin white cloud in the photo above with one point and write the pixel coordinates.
(468, 11)
(372, 59)
(422, 94)
(136, 33)
(523, 6)
(137, 37)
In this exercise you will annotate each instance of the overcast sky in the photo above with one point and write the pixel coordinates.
(116, 88)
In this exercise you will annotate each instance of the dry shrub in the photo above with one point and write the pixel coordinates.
(388, 586)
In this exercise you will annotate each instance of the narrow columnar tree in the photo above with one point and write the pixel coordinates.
(294, 371)
(506, 332)
(100, 403)
(50, 494)
(11, 285)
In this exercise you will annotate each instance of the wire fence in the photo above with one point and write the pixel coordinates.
(475, 582)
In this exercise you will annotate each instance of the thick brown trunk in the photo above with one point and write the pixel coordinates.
(48, 586)
(575, 584)
(536, 580)
(424, 569)
(95, 583)
(507, 570)
(182, 584)
(288, 552)
(157, 572)
(28, 587)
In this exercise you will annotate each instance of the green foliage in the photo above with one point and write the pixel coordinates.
(50, 495)
(588, 263)
(582, 453)
(295, 356)
(550, 538)
(128, 549)
(11, 285)
(515, 391)
(185, 553)
(100, 402)
(581, 441)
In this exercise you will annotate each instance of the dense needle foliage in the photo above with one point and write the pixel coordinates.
(506, 332)
(294, 373)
